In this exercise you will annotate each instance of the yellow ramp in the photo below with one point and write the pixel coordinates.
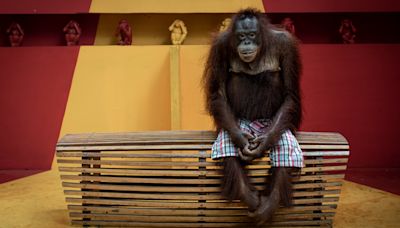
(118, 89)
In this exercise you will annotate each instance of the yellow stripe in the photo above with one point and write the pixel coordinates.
(175, 88)
(172, 6)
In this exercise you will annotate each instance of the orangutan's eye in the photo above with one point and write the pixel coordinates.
(252, 35)
(242, 36)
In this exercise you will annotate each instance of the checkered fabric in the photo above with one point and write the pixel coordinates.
(286, 153)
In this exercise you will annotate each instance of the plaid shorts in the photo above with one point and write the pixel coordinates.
(286, 152)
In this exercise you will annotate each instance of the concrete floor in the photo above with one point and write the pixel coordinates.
(38, 201)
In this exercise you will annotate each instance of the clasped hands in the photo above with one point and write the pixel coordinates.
(251, 147)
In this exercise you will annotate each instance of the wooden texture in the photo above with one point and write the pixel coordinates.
(175, 87)
(167, 179)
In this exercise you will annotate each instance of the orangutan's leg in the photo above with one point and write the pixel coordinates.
(236, 185)
(280, 192)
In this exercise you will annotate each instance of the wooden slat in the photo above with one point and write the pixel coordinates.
(143, 188)
(325, 161)
(184, 173)
(183, 164)
(228, 219)
(164, 137)
(179, 147)
(326, 153)
(141, 163)
(130, 155)
(184, 204)
(323, 168)
(163, 196)
(177, 155)
(320, 177)
(181, 181)
(202, 212)
(142, 224)
(134, 147)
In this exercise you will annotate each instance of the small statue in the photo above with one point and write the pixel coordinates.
(288, 24)
(124, 32)
(225, 24)
(348, 31)
(178, 32)
(15, 34)
(72, 33)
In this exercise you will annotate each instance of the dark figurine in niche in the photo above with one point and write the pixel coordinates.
(124, 32)
(72, 33)
(15, 35)
(288, 24)
(252, 90)
(347, 31)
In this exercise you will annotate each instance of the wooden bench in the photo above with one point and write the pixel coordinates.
(167, 179)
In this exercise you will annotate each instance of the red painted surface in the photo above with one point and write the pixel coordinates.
(293, 6)
(314, 28)
(47, 30)
(44, 6)
(385, 179)
(353, 89)
(34, 87)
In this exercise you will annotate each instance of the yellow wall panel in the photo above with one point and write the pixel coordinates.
(193, 113)
(172, 6)
(118, 89)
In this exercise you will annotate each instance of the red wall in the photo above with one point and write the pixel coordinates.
(47, 29)
(34, 87)
(352, 89)
(318, 28)
(44, 6)
(331, 6)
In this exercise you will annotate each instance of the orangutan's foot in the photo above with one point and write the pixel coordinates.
(251, 214)
(267, 208)
(253, 202)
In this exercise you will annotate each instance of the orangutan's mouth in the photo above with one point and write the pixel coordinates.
(248, 53)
